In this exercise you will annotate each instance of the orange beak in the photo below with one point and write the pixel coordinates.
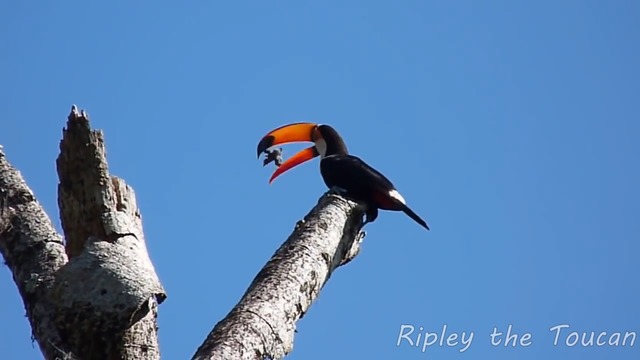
(298, 132)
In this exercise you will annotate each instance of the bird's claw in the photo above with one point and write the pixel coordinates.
(371, 215)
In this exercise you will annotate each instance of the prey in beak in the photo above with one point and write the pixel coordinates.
(292, 133)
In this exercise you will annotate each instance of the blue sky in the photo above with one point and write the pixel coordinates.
(511, 127)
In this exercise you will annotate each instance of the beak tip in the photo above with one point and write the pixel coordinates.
(264, 144)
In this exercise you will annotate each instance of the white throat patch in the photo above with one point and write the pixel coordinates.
(321, 146)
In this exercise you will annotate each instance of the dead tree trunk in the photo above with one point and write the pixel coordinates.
(98, 299)
(96, 295)
(262, 324)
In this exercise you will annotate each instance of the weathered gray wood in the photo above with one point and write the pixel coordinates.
(102, 302)
(98, 297)
(262, 324)
(34, 252)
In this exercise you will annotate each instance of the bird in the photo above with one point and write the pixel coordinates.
(342, 172)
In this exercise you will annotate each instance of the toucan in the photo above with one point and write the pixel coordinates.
(342, 172)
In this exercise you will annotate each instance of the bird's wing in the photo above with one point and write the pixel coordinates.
(354, 166)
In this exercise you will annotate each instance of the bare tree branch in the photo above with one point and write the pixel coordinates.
(262, 324)
(84, 194)
(102, 303)
(98, 297)
(33, 251)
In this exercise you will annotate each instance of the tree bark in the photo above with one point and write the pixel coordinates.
(98, 299)
(34, 253)
(96, 295)
(262, 324)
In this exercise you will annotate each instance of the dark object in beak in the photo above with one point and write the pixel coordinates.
(296, 132)
(274, 156)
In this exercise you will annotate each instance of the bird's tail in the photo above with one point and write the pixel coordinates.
(415, 217)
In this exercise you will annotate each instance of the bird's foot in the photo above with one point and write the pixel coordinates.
(371, 215)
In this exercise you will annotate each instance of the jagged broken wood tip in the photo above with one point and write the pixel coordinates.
(77, 114)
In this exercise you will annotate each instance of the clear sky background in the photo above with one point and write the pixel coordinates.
(512, 127)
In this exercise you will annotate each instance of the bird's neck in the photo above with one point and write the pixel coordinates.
(336, 147)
